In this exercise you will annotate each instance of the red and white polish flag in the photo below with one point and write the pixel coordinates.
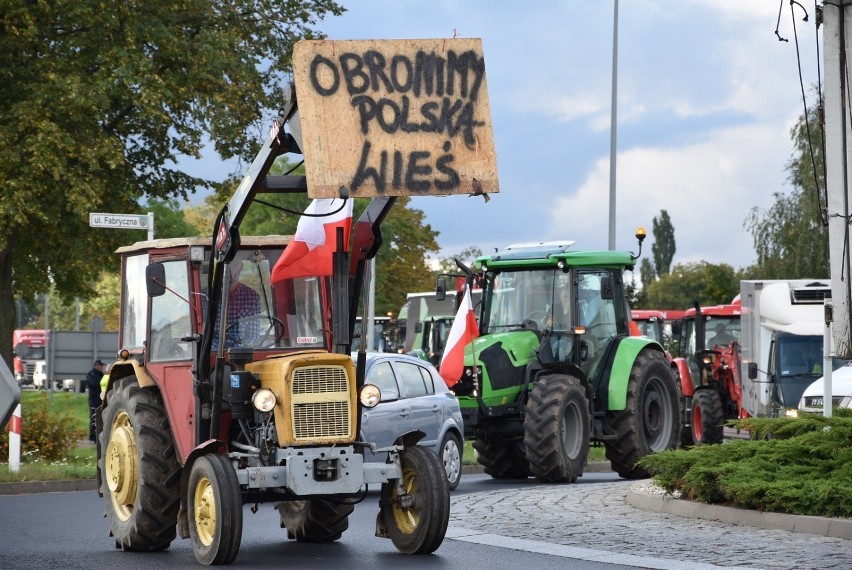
(462, 333)
(310, 252)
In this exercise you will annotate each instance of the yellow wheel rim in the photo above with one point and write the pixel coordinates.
(121, 466)
(407, 519)
(204, 508)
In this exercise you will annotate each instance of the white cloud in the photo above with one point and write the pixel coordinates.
(707, 188)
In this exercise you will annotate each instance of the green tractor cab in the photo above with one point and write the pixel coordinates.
(555, 367)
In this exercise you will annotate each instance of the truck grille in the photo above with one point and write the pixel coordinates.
(320, 403)
(29, 370)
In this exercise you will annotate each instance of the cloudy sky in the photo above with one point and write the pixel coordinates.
(707, 95)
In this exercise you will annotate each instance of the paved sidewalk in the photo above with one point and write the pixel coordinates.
(596, 514)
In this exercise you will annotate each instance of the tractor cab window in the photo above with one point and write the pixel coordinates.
(529, 299)
(600, 312)
(134, 309)
(171, 316)
(722, 331)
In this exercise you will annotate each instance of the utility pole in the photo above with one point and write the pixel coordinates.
(613, 127)
(837, 36)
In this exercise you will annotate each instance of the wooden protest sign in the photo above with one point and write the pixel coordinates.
(395, 117)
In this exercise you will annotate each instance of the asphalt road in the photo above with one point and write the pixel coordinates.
(68, 531)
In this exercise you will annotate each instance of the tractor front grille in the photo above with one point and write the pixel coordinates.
(320, 404)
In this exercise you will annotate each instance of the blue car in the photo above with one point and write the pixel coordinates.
(414, 397)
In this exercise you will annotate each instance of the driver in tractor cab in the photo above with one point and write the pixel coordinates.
(722, 338)
(243, 301)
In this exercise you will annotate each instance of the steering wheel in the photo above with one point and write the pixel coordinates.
(274, 325)
(539, 317)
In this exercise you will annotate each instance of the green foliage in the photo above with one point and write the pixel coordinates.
(790, 239)
(467, 256)
(796, 466)
(170, 220)
(47, 432)
(707, 283)
(101, 99)
(664, 243)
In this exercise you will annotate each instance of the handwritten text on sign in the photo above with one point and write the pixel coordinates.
(395, 117)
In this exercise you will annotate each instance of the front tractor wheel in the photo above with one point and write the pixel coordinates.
(140, 474)
(502, 460)
(215, 509)
(557, 429)
(650, 421)
(416, 509)
(707, 417)
(314, 520)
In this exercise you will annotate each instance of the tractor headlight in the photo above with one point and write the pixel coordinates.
(370, 395)
(263, 400)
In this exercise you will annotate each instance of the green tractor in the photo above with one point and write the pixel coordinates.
(555, 367)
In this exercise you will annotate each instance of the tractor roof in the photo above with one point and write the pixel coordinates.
(245, 241)
(549, 254)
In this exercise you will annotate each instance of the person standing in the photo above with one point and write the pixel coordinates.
(93, 383)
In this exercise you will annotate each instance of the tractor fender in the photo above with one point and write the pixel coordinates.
(622, 364)
(209, 446)
(686, 385)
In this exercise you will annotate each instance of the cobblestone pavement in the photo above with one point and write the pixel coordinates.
(594, 514)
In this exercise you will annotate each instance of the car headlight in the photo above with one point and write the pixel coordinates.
(263, 400)
(370, 395)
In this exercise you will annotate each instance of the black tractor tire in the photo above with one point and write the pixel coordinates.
(557, 428)
(502, 460)
(314, 520)
(215, 509)
(140, 473)
(451, 457)
(708, 417)
(418, 528)
(650, 421)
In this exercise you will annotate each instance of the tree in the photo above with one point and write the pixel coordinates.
(707, 283)
(467, 256)
(790, 238)
(664, 247)
(98, 101)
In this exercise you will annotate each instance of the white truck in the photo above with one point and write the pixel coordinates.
(783, 322)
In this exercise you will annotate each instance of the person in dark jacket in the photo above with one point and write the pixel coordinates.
(93, 383)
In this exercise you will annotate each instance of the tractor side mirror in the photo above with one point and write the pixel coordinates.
(441, 289)
(418, 327)
(607, 291)
(21, 350)
(155, 279)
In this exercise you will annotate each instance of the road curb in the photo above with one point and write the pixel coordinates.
(29, 487)
(667, 504)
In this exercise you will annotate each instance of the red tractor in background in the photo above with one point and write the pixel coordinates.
(710, 371)
(649, 323)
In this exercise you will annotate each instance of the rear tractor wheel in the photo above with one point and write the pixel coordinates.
(650, 421)
(140, 474)
(314, 520)
(416, 509)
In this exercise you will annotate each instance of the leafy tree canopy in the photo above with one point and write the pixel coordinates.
(100, 99)
(707, 283)
(790, 239)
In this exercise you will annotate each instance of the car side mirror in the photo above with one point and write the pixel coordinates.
(388, 396)
(752, 370)
(155, 279)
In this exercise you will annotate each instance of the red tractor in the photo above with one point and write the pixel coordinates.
(208, 409)
(650, 323)
(710, 372)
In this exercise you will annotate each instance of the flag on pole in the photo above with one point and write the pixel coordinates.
(462, 333)
(309, 254)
